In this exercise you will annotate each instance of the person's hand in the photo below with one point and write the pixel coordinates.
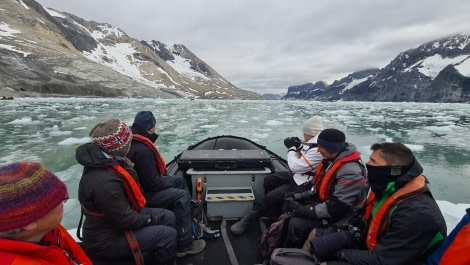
(152, 219)
(290, 205)
(292, 142)
(306, 211)
(289, 195)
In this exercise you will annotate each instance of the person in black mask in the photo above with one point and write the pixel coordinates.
(405, 223)
(161, 190)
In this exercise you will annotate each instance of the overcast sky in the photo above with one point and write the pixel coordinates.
(268, 45)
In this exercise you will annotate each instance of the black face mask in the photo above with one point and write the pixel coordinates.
(380, 176)
(153, 137)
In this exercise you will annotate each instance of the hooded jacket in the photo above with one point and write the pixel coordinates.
(413, 224)
(348, 191)
(102, 192)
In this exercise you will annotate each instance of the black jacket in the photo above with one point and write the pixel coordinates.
(101, 191)
(145, 164)
(413, 224)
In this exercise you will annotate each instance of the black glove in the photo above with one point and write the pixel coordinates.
(290, 205)
(292, 142)
(306, 211)
(289, 195)
(152, 219)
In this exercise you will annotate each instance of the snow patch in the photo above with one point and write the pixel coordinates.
(54, 13)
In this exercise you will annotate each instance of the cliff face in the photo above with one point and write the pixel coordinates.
(46, 52)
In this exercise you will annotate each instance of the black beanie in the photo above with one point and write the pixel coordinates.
(145, 120)
(332, 140)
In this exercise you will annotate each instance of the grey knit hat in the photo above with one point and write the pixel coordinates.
(312, 126)
(113, 136)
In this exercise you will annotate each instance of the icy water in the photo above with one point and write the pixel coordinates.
(49, 130)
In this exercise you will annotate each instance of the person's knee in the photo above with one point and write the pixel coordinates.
(166, 217)
(180, 183)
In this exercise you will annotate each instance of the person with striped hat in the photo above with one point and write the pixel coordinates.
(118, 224)
(32, 205)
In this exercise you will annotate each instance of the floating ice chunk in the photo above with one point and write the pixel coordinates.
(74, 141)
(438, 129)
(274, 123)
(452, 212)
(415, 147)
(261, 135)
(208, 126)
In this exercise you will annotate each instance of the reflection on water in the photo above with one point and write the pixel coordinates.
(49, 130)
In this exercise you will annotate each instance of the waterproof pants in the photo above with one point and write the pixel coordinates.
(275, 186)
(298, 230)
(157, 239)
(176, 199)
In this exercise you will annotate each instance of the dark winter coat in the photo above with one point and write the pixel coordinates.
(145, 164)
(101, 191)
(413, 224)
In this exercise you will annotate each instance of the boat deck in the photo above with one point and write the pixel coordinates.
(228, 248)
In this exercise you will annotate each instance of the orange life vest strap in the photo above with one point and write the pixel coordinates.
(131, 187)
(306, 161)
(324, 186)
(161, 165)
(379, 222)
(134, 245)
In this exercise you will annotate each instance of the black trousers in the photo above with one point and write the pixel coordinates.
(298, 230)
(275, 186)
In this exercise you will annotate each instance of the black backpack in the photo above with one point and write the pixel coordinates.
(199, 224)
(274, 236)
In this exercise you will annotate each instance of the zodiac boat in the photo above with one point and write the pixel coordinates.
(227, 174)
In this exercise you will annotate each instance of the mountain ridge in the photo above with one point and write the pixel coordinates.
(48, 52)
(437, 71)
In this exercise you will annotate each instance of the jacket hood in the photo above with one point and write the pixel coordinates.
(91, 155)
(415, 170)
(350, 148)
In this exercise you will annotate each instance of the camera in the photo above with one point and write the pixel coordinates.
(350, 235)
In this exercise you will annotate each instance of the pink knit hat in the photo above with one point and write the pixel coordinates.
(28, 191)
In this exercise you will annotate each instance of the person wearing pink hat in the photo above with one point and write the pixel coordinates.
(32, 205)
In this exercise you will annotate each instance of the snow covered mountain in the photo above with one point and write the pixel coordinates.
(438, 71)
(47, 52)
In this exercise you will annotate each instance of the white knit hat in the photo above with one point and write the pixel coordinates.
(312, 126)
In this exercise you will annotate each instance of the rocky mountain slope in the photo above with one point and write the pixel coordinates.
(438, 71)
(44, 52)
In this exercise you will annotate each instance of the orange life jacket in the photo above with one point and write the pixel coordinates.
(457, 252)
(59, 248)
(378, 221)
(324, 184)
(132, 188)
(161, 165)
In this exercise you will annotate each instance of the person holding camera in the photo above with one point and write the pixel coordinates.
(405, 223)
(337, 192)
(302, 158)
